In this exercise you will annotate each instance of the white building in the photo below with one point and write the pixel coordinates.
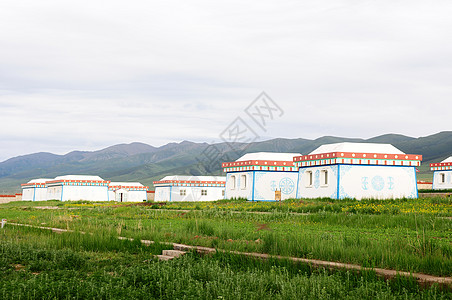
(189, 188)
(78, 187)
(82, 187)
(256, 176)
(357, 170)
(127, 192)
(442, 174)
(35, 190)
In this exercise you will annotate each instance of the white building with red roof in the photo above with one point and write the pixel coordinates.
(127, 192)
(82, 187)
(357, 170)
(257, 176)
(77, 187)
(442, 174)
(189, 188)
(35, 190)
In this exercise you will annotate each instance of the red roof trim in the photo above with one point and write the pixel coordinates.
(446, 164)
(357, 155)
(185, 181)
(78, 181)
(129, 187)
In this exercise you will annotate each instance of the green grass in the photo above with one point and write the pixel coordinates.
(406, 235)
(38, 264)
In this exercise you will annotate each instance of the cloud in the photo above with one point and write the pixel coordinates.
(83, 75)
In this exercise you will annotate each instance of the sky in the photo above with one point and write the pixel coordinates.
(84, 75)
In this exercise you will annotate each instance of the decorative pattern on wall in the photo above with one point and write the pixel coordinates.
(378, 183)
(286, 185)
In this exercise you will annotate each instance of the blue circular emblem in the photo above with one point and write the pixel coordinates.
(286, 185)
(378, 183)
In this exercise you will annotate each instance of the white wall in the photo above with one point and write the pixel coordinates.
(173, 194)
(93, 193)
(28, 194)
(265, 184)
(437, 180)
(317, 187)
(162, 193)
(54, 192)
(136, 196)
(237, 187)
(361, 181)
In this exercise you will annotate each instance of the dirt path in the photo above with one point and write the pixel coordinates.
(386, 273)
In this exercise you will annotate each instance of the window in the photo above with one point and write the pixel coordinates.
(232, 182)
(324, 177)
(183, 192)
(222, 193)
(442, 178)
(243, 182)
(309, 180)
(203, 192)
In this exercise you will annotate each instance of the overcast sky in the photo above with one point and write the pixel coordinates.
(83, 75)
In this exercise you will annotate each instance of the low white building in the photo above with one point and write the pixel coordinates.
(78, 187)
(189, 188)
(35, 190)
(257, 176)
(357, 170)
(82, 187)
(442, 174)
(127, 192)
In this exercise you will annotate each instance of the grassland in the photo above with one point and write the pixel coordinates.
(404, 235)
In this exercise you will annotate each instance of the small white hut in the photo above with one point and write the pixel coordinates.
(35, 190)
(127, 192)
(77, 187)
(442, 174)
(189, 188)
(357, 170)
(257, 176)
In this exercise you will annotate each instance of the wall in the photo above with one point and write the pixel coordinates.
(421, 185)
(261, 185)
(54, 192)
(28, 194)
(317, 189)
(74, 193)
(191, 193)
(136, 196)
(362, 181)
(8, 198)
(267, 182)
(437, 184)
(150, 195)
(241, 189)
(162, 193)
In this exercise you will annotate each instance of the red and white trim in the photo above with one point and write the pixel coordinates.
(128, 188)
(78, 182)
(358, 159)
(364, 156)
(34, 184)
(441, 166)
(190, 183)
(259, 165)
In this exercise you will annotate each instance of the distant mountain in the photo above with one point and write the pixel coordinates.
(145, 163)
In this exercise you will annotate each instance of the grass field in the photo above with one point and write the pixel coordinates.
(404, 235)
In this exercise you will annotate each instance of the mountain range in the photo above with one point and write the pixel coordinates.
(145, 163)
